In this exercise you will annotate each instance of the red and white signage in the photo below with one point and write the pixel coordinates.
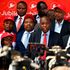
(8, 7)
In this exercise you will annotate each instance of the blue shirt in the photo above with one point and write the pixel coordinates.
(25, 38)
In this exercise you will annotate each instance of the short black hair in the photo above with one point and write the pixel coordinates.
(57, 9)
(23, 2)
(46, 15)
(41, 2)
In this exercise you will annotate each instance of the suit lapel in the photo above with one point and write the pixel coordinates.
(63, 27)
(38, 36)
(53, 25)
(50, 39)
(65, 40)
(22, 26)
(15, 18)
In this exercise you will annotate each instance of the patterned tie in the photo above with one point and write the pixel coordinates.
(19, 24)
(45, 40)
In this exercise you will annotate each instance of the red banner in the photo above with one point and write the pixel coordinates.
(8, 7)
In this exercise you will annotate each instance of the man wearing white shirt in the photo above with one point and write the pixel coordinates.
(18, 18)
(59, 25)
(29, 24)
(37, 36)
(65, 41)
(43, 35)
(47, 37)
(25, 38)
(42, 9)
(21, 11)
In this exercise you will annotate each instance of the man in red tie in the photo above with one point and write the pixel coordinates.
(44, 35)
(21, 9)
(19, 24)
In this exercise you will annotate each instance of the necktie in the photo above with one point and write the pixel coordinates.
(19, 24)
(45, 40)
(45, 43)
(25, 39)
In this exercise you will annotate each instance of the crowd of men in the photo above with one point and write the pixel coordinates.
(35, 42)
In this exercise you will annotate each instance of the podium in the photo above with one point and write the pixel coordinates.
(36, 46)
(35, 49)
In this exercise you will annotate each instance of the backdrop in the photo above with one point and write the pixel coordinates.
(8, 7)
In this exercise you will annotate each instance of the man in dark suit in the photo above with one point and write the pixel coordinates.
(38, 36)
(21, 11)
(23, 41)
(42, 9)
(19, 19)
(65, 41)
(60, 25)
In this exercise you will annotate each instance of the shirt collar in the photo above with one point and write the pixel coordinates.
(60, 23)
(29, 32)
(37, 16)
(32, 31)
(21, 17)
(47, 33)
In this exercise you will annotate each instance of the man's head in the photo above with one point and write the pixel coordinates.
(29, 22)
(8, 24)
(59, 13)
(41, 7)
(21, 8)
(45, 23)
(50, 13)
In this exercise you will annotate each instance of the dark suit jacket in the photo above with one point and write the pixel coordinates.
(53, 38)
(18, 37)
(19, 45)
(65, 27)
(20, 32)
(64, 40)
(21, 28)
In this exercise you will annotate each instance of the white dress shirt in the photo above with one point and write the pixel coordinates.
(38, 19)
(47, 37)
(58, 26)
(19, 19)
(25, 38)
